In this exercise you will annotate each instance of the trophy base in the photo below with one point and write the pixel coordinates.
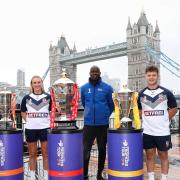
(6, 125)
(65, 125)
(126, 123)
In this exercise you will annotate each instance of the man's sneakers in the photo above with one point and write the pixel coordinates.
(86, 177)
(99, 177)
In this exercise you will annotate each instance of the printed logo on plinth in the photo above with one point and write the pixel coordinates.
(2, 153)
(125, 153)
(60, 154)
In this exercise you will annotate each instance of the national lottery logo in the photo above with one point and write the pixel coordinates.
(60, 154)
(125, 153)
(2, 153)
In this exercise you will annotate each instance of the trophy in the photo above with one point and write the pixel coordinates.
(65, 98)
(7, 110)
(126, 109)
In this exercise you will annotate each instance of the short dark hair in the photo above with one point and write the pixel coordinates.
(152, 69)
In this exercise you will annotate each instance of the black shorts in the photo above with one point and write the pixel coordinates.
(162, 143)
(33, 135)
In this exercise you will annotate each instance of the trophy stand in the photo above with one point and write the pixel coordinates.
(65, 142)
(125, 144)
(11, 140)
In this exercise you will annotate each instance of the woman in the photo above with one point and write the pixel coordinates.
(35, 108)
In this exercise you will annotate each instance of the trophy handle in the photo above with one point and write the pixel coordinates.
(53, 109)
(75, 103)
(136, 115)
(13, 110)
(117, 111)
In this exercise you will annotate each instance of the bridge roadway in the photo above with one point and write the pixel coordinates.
(90, 55)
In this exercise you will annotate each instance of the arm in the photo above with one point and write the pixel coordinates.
(172, 112)
(50, 104)
(24, 115)
(139, 106)
(82, 98)
(23, 108)
(172, 105)
(110, 100)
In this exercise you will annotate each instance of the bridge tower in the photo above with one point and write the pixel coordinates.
(55, 54)
(139, 35)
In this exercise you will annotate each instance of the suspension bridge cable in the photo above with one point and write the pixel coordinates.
(167, 59)
(170, 59)
(157, 56)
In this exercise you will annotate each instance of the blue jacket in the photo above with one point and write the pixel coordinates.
(97, 102)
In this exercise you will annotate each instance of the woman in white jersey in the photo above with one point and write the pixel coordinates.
(35, 108)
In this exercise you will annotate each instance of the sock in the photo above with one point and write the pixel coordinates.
(32, 174)
(45, 173)
(164, 177)
(151, 175)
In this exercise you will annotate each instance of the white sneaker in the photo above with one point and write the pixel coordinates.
(46, 177)
(32, 175)
(151, 176)
(164, 177)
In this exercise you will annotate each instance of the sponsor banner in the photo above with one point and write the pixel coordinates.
(38, 115)
(154, 113)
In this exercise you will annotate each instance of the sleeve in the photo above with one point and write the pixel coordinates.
(23, 104)
(171, 101)
(139, 102)
(110, 100)
(82, 97)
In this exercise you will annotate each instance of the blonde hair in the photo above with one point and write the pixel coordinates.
(42, 86)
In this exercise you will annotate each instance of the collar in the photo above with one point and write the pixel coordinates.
(95, 82)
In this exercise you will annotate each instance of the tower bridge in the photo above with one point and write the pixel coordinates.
(138, 36)
(90, 55)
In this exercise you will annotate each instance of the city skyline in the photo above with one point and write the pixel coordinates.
(27, 31)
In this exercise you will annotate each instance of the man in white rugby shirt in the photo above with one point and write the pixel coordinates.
(35, 108)
(157, 106)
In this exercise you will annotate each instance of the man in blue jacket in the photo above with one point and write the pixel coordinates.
(96, 97)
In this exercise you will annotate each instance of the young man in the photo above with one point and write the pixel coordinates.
(98, 105)
(158, 106)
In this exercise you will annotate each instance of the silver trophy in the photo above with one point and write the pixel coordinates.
(125, 98)
(124, 102)
(66, 97)
(7, 109)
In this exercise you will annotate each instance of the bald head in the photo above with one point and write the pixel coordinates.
(95, 73)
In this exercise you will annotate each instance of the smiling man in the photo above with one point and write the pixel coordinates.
(98, 105)
(157, 105)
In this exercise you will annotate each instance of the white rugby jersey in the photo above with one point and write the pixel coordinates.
(154, 104)
(37, 108)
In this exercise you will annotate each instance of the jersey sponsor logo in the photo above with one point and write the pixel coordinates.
(38, 115)
(89, 91)
(144, 99)
(44, 100)
(162, 97)
(167, 144)
(154, 113)
(99, 89)
(29, 101)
